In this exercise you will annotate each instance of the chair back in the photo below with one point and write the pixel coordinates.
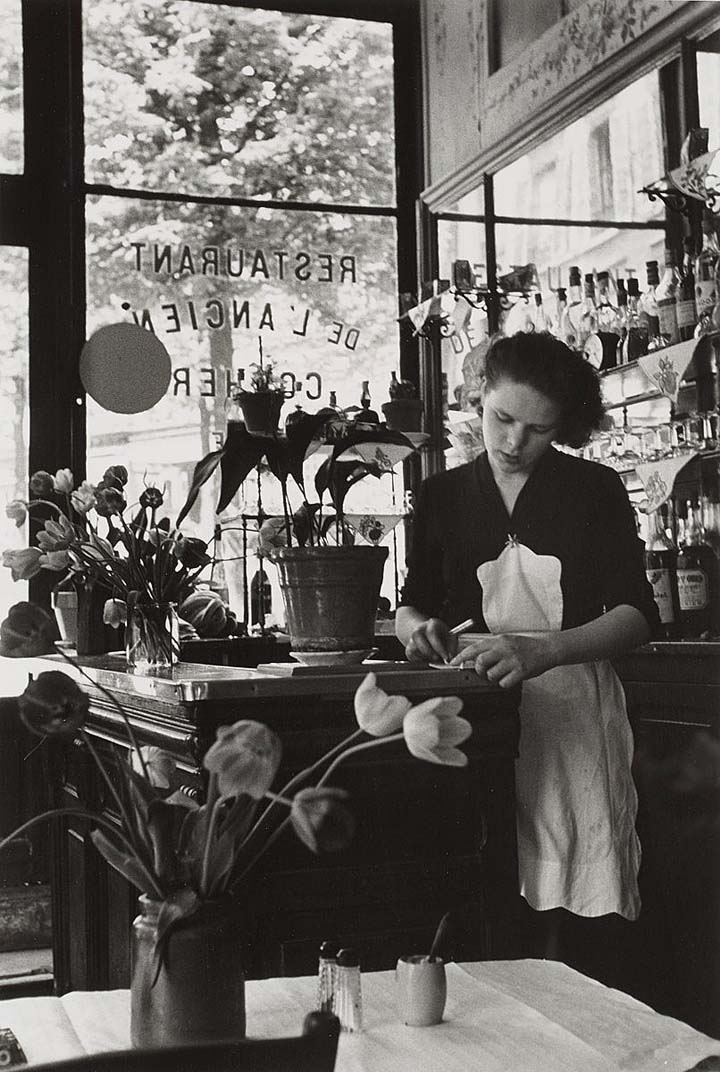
(313, 1051)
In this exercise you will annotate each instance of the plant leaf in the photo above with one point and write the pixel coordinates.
(181, 904)
(201, 474)
(241, 452)
(129, 866)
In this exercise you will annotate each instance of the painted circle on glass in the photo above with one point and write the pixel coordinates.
(125, 368)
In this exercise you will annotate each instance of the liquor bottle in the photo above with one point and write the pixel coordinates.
(540, 320)
(571, 328)
(661, 570)
(636, 340)
(260, 597)
(622, 313)
(366, 415)
(666, 298)
(333, 402)
(705, 283)
(647, 307)
(608, 321)
(589, 338)
(560, 312)
(394, 387)
(686, 309)
(696, 572)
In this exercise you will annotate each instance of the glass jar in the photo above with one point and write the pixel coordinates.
(152, 638)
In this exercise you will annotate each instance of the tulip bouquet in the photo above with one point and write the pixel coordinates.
(184, 853)
(138, 563)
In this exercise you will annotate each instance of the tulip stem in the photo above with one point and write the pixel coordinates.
(277, 799)
(213, 803)
(358, 748)
(270, 841)
(113, 791)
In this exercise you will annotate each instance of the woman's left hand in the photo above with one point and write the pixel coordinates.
(508, 658)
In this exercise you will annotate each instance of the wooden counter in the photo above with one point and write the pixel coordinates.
(428, 837)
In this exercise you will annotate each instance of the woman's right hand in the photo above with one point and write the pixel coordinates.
(431, 641)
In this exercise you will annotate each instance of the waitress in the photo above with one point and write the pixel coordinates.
(541, 549)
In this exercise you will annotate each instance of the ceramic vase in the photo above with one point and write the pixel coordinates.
(198, 993)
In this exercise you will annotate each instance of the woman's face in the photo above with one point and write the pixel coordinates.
(519, 424)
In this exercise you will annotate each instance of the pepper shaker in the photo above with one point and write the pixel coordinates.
(327, 966)
(347, 1004)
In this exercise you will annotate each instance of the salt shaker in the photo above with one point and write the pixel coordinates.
(347, 1003)
(327, 967)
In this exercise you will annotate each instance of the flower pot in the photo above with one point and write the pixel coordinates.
(199, 993)
(330, 595)
(261, 410)
(152, 638)
(403, 414)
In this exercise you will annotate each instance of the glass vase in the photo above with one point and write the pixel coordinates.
(152, 638)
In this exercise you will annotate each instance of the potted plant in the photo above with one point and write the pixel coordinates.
(330, 586)
(404, 410)
(262, 400)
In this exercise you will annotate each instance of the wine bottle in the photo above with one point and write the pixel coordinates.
(260, 597)
(695, 575)
(622, 312)
(661, 570)
(648, 309)
(666, 298)
(591, 343)
(573, 312)
(366, 414)
(608, 321)
(636, 340)
(705, 282)
(686, 309)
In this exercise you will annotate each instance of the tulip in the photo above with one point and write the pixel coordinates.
(191, 551)
(115, 476)
(24, 563)
(16, 510)
(53, 705)
(115, 613)
(432, 729)
(159, 766)
(27, 631)
(63, 481)
(109, 501)
(245, 759)
(55, 560)
(83, 498)
(151, 498)
(55, 535)
(320, 820)
(376, 712)
(41, 483)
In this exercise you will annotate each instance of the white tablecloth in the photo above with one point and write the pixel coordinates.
(501, 1016)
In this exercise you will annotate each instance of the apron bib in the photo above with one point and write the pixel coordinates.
(576, 800)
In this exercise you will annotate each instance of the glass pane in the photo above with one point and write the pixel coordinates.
(11, 113)
(708, 72)
(318, 289)
(593, 169)
(554, 249)
(14, 410)
(223, 101)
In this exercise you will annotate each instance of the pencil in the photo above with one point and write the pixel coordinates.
(462, 627)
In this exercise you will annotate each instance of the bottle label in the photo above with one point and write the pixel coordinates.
(667, 318)
(693, 589)
(661, 581)
(705, 296)
(686, 314)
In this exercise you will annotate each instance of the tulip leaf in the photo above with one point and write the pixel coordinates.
(201, 474)
(179, 905)
(129, 866)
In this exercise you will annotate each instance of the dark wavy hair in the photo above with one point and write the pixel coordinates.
(552, 368)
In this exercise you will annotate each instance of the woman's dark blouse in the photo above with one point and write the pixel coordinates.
(576, 510)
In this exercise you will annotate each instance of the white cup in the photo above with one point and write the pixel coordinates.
(421, 990)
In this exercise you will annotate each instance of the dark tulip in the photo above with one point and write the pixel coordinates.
(27, 631)
(53, 705)
(109, 501)
(115, 476)
(152, 498)
(321, 820)
(191, 551)
(41, 483)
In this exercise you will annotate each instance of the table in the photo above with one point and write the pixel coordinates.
(501, 1016)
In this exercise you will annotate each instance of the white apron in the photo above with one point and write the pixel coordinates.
(576, 800)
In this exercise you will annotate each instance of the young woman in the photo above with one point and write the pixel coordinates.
(540, 548)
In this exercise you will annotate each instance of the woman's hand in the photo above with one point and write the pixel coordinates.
(431, 641)
(508, 659)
